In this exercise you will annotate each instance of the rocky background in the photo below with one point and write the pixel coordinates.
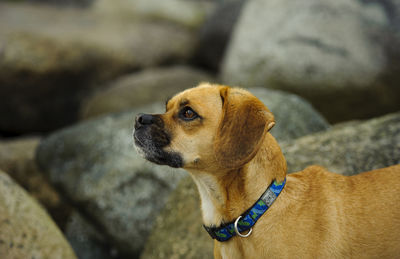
(74, 73)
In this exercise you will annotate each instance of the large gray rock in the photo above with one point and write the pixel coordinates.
(26, 231)
(86, 240)
(341, 55)
(47, 67)
(347, 149)
(190, 14)
(178, 231)
(294, 116)
(59, 3)
(95, 165)
(141, 88)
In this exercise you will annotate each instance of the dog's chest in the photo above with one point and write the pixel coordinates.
(230, 252)
(238, 250)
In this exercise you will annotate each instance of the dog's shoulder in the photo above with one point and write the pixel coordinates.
(314, 171)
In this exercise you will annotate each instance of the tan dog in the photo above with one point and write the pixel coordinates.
(221, 136)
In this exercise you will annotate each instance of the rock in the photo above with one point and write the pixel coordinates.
(16, 153)
(47, 68)
(346, 149)
(294, 116)
(17, 159)
(26, 231)
(142, 88)
(190, 14)
(97, 167)
(178, 231)
(86, 240)
(61, 3)
(216, 33)
(343, 56)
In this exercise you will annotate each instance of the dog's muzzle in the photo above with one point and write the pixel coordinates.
(151, 138)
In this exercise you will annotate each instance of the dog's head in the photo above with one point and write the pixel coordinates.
(209, 127)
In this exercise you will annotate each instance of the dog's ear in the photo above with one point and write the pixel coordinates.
(241, 131)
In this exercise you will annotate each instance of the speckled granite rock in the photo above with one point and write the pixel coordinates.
(348, 149)
(341, 55)
(178, 231)
(86, 240)
(26, 231)
(294, 116)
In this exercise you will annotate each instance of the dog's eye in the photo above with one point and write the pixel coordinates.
(188, 114)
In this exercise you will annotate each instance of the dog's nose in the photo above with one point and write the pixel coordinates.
(143, 119)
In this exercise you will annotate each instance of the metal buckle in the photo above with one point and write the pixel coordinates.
(237, 231)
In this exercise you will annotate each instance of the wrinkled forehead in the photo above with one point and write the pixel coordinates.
(201, 97)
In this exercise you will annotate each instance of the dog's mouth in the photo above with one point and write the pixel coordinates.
(150, 142)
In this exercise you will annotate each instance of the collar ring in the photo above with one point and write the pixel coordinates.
(237, 230)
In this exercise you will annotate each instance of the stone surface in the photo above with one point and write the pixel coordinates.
(86, 240)
(190, 14)
(341, 55)
(216, 33)
(26, 231)
(17, 159)
(46, 68)
(141, 88)
(348, 149)
(178, 231)
(294, 116)
(59, 3)
(16, 152)
(95, 165)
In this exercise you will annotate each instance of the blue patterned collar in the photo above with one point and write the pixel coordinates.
(247, 220)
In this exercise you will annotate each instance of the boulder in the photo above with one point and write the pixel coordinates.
(26, 231)
(343, 56)
(141, 88)
(17, 159)
(178, 231)
(61, 3)
(86, 240)
(294, 116)
(96, 167)
(190, 14)
(350, 148)
(16, 153)
(46, 68)
(346, 149)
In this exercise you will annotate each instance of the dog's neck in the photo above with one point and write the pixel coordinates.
(226, 195)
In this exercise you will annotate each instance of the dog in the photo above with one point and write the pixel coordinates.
(220, 135)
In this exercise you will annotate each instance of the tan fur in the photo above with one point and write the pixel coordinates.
(319, 214)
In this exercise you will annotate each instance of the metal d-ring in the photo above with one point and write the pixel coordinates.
(237, 231)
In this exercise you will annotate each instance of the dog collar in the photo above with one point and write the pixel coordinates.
(247, 220)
